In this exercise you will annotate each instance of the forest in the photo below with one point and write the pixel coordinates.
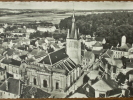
(112, 26)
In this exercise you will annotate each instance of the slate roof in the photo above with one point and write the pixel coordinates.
(15, 62)
(54, 57)
(10, 51)
(9, 75)
(11, 61)
(121, 78)
(23, 56)
(6, 61)
(28, 91)
(14, 86)
(82, 89)
(1, 69)
(64, 67)
(114, 93)
(21, 48)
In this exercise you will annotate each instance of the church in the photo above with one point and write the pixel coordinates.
(73, 43)
(58, 70)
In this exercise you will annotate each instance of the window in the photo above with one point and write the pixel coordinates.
(5, 67)
(101, 95)
(57, 85)
(34, 81)
(44, 83)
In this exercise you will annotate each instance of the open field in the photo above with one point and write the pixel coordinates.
(53, 15)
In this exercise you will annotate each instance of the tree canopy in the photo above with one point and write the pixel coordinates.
(112, 26)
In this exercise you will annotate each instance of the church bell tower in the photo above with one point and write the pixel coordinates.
(73, 43)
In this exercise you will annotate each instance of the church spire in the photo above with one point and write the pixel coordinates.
(76, 35)
(73, 18)
(73, 26)
(68, 35)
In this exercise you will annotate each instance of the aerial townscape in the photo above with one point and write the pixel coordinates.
(40, 59)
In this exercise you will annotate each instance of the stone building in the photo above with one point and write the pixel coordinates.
(55, 72)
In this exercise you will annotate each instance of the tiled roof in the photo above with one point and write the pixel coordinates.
(88, 40)
(40, 54)
(105, 84)
(93, 74)
(14, 86)
(9, 51)
(88, 54)
(55, 45)
(1, 51)
(99, 39)
(78, 95)
(97, 44)
(16, 41)
(28, 91)
(30, 60)
(41, 41)
(108, 54)
(98, 52)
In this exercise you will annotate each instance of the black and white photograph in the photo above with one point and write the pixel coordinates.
(66, 49)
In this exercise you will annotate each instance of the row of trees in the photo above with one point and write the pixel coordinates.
(47, 34)
(112, 26)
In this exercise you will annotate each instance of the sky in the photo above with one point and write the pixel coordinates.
(67, 5)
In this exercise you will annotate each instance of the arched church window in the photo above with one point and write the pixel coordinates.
(34, 81)
(44, 83)
(57, 85)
